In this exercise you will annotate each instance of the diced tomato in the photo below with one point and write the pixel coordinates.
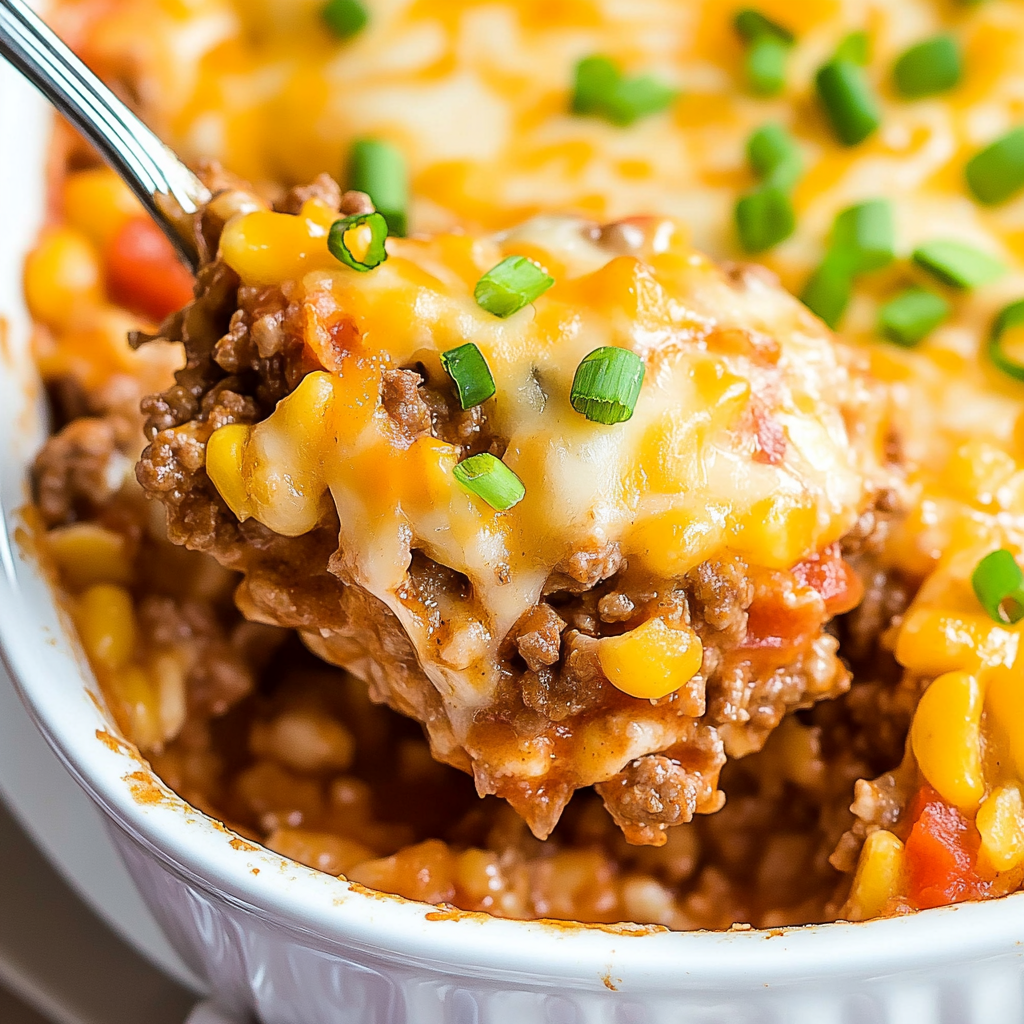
(831, 575)
(785, 618)
(144, 273)
(789, 608)
(942, 851)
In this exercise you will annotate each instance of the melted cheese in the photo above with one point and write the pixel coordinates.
(683, 480)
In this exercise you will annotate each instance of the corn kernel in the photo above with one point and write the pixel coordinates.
(652, 660)
(1001, 824)
(168, 675)
(777, 532)
(86, 554)
(945, 737)
(673, 543)
(1004, 699)
(62, 278)
(106, 625)
(224, 452)
(879, 876)
(266, 248)
(932, 641)
(98, 203)
(139, 705)
(281, 463)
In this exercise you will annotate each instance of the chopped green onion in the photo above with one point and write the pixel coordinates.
(929, 67)
(774, 157)
(766, 65)
(515, 282)
(752, 25)
(596, 78)
(912, 316)
(1008, 319)
(489, 478)
(344, 17)
(997, 172)
(999, 586)
(827, 292)
(848, 100)
(607, 384)
(469, 370)
(378, 169)
(634, 98)
(376, 253)
(957, 264)
(864, 237)
(856, 47)
(769, 45)
(764, 218)
(600, 88)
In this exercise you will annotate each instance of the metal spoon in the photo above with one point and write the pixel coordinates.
(164, 185)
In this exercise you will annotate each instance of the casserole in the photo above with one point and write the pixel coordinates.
(291, 945)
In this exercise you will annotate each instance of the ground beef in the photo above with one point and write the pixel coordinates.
(77, 471)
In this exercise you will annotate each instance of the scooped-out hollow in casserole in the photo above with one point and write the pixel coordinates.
(410, 459)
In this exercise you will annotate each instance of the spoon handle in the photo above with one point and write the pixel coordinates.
(164, 185)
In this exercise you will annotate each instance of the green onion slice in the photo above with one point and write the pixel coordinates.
(764, 218)
(378, 169)
(856, 47)
(469, 370)
(997, 172)
(607, 385)
(489, 478)
(344, 17)
(999, 586)
(1007, 319)
(596, 78)
(929, 67)
(766, 66)
(752, 25)
(515, 282)
(911, 316)
(957, 264)
(601, 89)
(774, 157)
(376, 253)
(827, 292)
(848, 100)
(864, 237)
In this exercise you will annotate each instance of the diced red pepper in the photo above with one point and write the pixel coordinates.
(942, 851)
(144, 273)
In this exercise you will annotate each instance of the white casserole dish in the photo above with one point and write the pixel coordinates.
(293, 946)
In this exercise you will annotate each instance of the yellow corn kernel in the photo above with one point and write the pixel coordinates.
(137, 700)
(1004, 699)
(62, 277)
(98, 203)
(282, 461)
(168, 676)
(776, 532)
(1001, 824)
(673, 543)
(652, 660)
(86, 554)
(266, 248)
(879, 876)
(945, 737)
(224, 452)
(933, 640)
(106, 624)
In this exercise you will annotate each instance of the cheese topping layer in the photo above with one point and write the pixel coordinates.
(738, 442)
